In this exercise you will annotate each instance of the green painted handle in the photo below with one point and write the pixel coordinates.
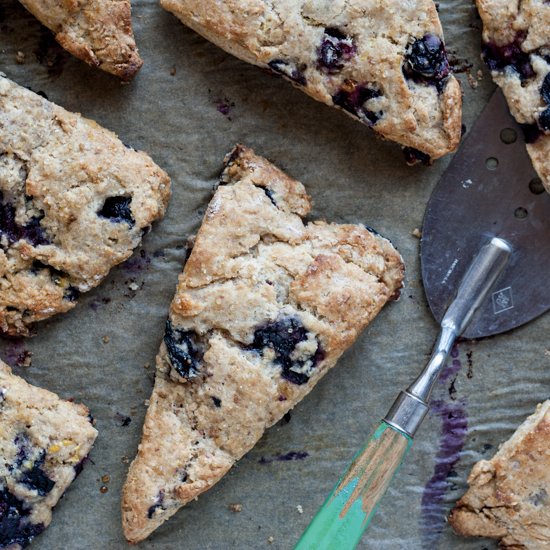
(347, 512)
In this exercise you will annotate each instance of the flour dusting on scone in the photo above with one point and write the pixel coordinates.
(516, 48)
(98, 32)
(74, 202)
(43, 443)
(264, 307)
(384, 63)
(509, 495)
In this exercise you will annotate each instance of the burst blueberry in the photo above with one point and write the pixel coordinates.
(352, 98)
(117, 209)
(36, 479)
(15, 526)
(426, 61)
(8, 226)
(335, 50)
(282, 336)
(499, 58)
(184, 350)
(34, 233)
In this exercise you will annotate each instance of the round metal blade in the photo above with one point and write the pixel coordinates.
(490, 189)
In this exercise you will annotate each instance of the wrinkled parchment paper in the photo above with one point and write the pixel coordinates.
(189, 105)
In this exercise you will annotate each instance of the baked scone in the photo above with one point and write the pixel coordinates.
(516, 47)
(508, 498)
(74, 202)
(97, 31)
(383, 63)
(264, 307)
(43, 443)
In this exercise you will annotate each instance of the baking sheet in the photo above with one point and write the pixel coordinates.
(188, 106)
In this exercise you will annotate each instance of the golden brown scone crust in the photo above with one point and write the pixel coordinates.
(43, 441)
(526, 25)
(509, 495)
(287, 37)
(57, 170)
(256, 272)
(97, 31)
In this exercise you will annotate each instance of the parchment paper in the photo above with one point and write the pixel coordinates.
(189, 105)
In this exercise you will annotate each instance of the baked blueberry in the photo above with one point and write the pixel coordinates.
(158, 505)
(290, 70)
(184, 350)
(15, 526)
(414, 156)
(352, 98)
(335, 50)
(532, 132)
(71, 294)
(282, 336)
(544, 120)
(36, 479)
(8, 226)
(426, 60)
(117, 209)
(545, 89)
(34, 233)
(499, 58)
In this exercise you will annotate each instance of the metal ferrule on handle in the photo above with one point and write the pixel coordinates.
(411, 406)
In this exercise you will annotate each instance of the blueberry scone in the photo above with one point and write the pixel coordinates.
(98, 32)
(74, 201)
(264, 307)
(508, 498)
(383, 63)
(43, 443)
(516, 48)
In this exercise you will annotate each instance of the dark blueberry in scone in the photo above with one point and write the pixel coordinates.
(426, 60)
(157, 506)
(545, 90)
(498, 58)
(184, 350)
(290, 70)
(414, 156)
(544, 120)
(352, 98)
(15, 525)
(9, 230)
(283, 336)
(36, 479)
(117, 209)
(336, 48)
(34, 233)
(71, 294)
(532, 132)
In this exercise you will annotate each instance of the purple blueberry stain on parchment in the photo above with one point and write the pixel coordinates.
(137, 263)
(224, 106)
(452, 413)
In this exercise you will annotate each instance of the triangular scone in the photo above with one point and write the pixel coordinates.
(384, 63)
(509, 495)
(264, 307)
(97, 31)
(516, 47)
(43, 443)
(74, 202)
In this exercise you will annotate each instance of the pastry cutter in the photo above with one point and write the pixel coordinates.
(485, 255)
